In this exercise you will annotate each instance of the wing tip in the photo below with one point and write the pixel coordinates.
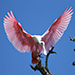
(69, 9)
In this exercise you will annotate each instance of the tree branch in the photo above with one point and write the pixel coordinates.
(72, 39)
(40, 66)
(73, 63)
(50, 51)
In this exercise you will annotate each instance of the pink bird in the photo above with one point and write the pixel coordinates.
(23, 41)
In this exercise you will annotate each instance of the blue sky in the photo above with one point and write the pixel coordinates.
(36, 16)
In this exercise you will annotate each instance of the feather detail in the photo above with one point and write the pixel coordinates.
(56, 30)
(20, 39)
(34, 58)
(23, 41)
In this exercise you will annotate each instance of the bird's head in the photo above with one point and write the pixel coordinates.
(43, 45)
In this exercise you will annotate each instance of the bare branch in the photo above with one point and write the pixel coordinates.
(40, 66)
(73, 63)
(72, 39)
(50, 51)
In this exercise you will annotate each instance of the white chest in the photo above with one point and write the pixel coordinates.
(37, 38)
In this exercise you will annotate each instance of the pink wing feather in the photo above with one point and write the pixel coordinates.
(21, 40)
(56, 30)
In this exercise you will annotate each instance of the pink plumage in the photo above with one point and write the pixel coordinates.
(23, 41)
(56, 30)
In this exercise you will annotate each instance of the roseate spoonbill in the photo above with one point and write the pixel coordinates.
(23, 41)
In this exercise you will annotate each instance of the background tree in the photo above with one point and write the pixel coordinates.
(72, 39)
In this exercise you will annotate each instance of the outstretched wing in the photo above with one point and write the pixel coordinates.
(21, 40)
(56, 30)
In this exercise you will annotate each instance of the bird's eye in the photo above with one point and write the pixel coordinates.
(41, 43)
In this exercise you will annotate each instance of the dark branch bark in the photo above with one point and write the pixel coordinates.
(50, 51)
(40, 66)
(73, 63)
(72, 39)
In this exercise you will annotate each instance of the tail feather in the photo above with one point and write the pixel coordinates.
(34, 61)
(34, 57)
